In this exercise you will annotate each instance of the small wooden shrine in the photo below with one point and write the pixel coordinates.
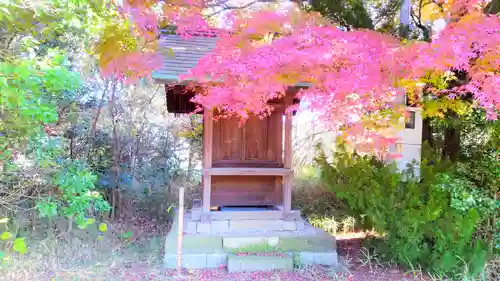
(247, 165)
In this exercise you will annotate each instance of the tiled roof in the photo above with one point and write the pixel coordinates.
(186, 54)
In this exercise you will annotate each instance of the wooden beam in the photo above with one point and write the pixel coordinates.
(287, 193)
(288, 141)
(247, 164)
(207, 138)
(278, 190)
(207, 156)
(288, 157)
(207, 193)
(246, 172)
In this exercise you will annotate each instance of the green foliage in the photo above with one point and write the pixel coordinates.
(18, 244)
(482, 170)
(430, 222)
(75, 182)
(47, 208)
(32, 28)
(29, 90)
(126, 235)
(348, 13)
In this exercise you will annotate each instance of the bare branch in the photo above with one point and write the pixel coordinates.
(226, 7)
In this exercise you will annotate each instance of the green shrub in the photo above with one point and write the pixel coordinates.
(321, 207)
(76, 196)
(430, 222)
(483, 170)
(311, 198)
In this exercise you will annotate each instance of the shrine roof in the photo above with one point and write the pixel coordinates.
(180, 55)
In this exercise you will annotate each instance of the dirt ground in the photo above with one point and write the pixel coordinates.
(88, 255)
(132, 250)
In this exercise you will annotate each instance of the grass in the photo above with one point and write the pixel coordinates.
(81, 254)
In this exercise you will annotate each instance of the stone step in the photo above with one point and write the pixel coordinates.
(212, 244)
(231, 226)
(236, 225)
(284, 244)
(196, 261)
(317, 258)
(255, 215)
(218, 260)
(247, 263)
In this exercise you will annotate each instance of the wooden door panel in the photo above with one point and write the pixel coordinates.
(243, 190)
(259, 140)
(255, 145)
(230, 140)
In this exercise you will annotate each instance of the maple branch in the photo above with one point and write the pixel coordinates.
(420, 11)
(226, 7)
(418, 20)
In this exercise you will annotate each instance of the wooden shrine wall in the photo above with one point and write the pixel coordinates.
(256, 144)
(246, 190)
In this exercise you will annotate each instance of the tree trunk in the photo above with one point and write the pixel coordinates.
(72, 141)
(94, 122)
(190, 159)
(404, 17)
(451, 147)
(116, 150)
(427, 132)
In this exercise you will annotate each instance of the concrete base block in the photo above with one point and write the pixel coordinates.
(314, 243)
(245, 244)
(289, 225)
(191, 227)
(305, 258)
(216, 260)
(193, 261)
(220, 226)
(312, 258)
(194, 244)
(329, 259)
(300, 225)
(258, 263)
(205, 217)
(270, 225)
(195, 214)
(203, 227)
(273, 242)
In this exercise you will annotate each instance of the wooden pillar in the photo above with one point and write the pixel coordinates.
(288, 141)
(287, 161)
(207, 156)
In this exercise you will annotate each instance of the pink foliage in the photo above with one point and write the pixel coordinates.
(350, 74)
(130, 67)
(140, 12)
(353, 77)
(471, 44)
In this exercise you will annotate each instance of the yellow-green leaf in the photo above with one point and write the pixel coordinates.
(90, 221)
(19, 245)
(6, 235)
(170, 53)
(103, 227)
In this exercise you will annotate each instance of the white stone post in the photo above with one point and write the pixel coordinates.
(180, 227)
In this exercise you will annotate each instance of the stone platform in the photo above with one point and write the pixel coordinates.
(219, 240)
